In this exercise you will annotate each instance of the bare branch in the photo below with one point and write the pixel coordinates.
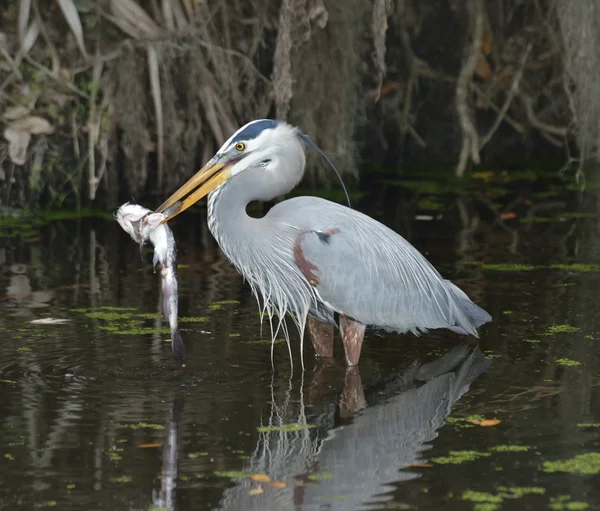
(470, 145)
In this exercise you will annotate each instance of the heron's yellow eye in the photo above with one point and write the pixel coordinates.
(240, 146)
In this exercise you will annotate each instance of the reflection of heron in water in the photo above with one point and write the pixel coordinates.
(363, 459)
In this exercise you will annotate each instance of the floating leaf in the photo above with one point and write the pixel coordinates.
(256, 491)
(489, 422)
(148, 446)
(260, 478)
(277, 484)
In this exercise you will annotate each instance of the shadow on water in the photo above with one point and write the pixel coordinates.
(94, 414)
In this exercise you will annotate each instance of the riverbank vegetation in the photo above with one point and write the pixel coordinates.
(109, 99)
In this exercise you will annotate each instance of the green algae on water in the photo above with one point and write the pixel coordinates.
(510, 448)
(583, 464)
(567, 362)
(265, 341)
(287, 428)
(116, 309)
(577, 267)
(121, 479)
(143, 331)
(458, 457)
(508, 267)
(520, 491)
(196, 455)
(562, 329)
(320, 476)
(194, 319)
(146, 425)
(232, 474)
(484, 501)
(564, 503)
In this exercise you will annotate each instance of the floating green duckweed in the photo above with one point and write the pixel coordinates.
(508, 267)
(232, 474)
(114, 456)
(567, 362)
(193, 319)
(484, 501)
(8, 382)
(458, 457)
(143, 331)
(48, 503)
(116, 309)
(475, 417)
(121, 479)
(23, 349)
(146, 425)
(9, 457)
(215, 306)
(562, 329)
(320, 476)
(265, 341)
(532, 341)
(510, 448)
(589, 425)
(577, 267)
(287, 428)
(148, 315)
(520, 491)
(564, 503)
(108, 315)
(583, 464)
(196, 455)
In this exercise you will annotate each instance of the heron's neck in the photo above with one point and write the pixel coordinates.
(228, 221)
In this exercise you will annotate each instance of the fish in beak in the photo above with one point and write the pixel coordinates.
(209, 177)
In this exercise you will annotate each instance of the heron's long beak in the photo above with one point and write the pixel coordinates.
(213, 174)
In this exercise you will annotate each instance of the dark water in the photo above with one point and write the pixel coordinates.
(94, 414)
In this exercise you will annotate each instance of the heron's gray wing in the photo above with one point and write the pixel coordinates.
(364, 270)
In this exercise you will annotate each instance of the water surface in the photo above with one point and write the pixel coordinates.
(94, 414)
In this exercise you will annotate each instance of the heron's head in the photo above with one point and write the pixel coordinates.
(264, 146)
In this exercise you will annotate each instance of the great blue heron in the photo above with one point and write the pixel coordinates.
(324, 263)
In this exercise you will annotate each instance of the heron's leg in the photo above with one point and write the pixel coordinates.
(353, 396)
(321, 335)
(353, 334)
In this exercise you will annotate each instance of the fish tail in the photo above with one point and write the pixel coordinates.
(177, 344)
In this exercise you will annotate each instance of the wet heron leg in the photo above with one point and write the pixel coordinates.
(353, 334)
(321, 335)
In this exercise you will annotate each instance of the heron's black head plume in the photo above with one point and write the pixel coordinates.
(310, 143)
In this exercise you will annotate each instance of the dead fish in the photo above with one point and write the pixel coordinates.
(144, 225)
